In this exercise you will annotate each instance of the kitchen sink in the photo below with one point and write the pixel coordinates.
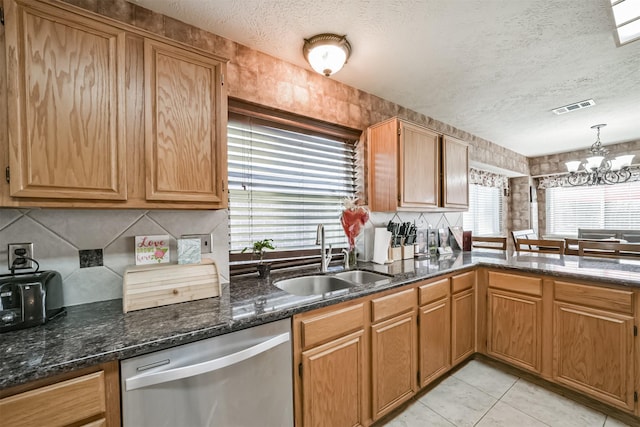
(313, 285)
(363, 277)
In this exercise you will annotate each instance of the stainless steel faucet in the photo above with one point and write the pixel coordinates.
(345, 260)
(325, 256)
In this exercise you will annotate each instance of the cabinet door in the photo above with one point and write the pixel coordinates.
(393, 366)
(419, 167)
(514, 328)
(455, 171)
(593, 353)
(382, 162)
(91, 399)
(332, 383)
(435, 340)
(65, 90)
(463, 325)
(185, 128)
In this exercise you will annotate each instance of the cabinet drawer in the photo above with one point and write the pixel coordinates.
(63, 403)
(390, 305)
(515, 283)
(463, 281)
(324, 327)
(594, 296)
(433, 291)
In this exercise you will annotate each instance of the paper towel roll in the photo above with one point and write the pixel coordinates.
(381, 240)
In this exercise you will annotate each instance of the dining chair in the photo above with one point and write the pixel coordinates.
(607, 249)
(571, 245)
(480, 242)
(540, 245)
(523, 234)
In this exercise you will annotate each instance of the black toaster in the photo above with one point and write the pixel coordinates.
(30, 299)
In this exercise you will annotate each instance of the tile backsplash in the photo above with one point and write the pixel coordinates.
(58, 236)
(61, 236)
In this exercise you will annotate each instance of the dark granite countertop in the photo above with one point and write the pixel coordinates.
(100, 332)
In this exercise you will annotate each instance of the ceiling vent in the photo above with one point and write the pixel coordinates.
(575, 106)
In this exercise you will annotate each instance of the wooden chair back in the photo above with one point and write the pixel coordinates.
(540, 245)
(523, 234)
(480, 242)
(608, 249)
(571, 245)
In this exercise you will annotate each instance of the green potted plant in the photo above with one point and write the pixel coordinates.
(258, 250)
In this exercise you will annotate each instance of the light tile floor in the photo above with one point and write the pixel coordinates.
(481, 395)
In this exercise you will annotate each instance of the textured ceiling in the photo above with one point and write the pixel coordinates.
(494, 68)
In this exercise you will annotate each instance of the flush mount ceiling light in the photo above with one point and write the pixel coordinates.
(599, 168)
(326, 53)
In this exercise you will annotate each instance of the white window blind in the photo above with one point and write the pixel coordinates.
(484, 217)
(283, 183)
(604, 206)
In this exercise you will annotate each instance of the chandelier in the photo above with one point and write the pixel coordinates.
(599, 168)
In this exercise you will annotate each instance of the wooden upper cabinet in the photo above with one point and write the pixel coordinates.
(105, 115)
(412, 168)
(419, 167)
(382, 140)
(65, 94)
(455, 172)
(185, 128)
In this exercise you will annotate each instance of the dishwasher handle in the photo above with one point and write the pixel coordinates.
(145, 380)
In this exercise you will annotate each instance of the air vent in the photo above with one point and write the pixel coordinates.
(575, 106)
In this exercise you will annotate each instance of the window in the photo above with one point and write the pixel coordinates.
(604, 206)
(484, 217)
(283, 182)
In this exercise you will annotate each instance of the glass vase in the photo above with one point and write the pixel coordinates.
(352, 258)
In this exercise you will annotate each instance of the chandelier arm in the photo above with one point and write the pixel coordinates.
(577, 179)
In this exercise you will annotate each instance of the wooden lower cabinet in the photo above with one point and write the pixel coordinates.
(86, 399)
(514, 319)
(393, 362)
(594, 347)
(358, 361)
(330, 356)
(434, 332)
(514, 327)
(434, 340)
(463, 320)
(332, 377)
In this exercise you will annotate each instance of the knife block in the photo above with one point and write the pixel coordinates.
(408, 251)
(395, 253)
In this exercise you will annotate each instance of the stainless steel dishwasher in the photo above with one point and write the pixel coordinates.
(241, 379)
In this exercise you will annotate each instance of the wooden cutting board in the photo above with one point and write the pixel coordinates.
(147, 286)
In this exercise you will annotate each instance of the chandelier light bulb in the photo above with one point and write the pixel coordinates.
(594, 162)
(573, 166)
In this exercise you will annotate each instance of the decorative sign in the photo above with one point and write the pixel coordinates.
(152, 249)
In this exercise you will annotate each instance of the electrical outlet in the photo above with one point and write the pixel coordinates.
(205, 241)
(16, 252)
